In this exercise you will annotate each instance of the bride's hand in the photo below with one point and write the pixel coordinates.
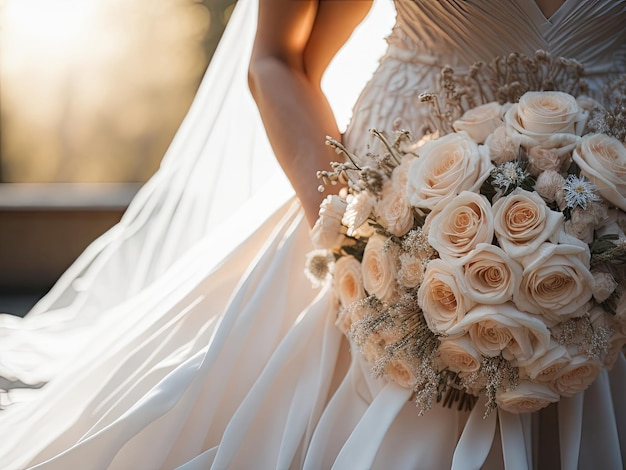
(294, 43)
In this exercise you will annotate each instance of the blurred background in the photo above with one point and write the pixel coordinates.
(91, 94)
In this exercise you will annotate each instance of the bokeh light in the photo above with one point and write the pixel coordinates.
(93, 90)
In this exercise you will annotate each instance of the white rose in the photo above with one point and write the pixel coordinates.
(461, 225)
(480, 121)
(527, 397)
(459, 355)
(504, 329)
(379, 267)
(358, 210)
(522, 222)
(328, 233)
(446, 167)
(602, 159)
(440, 297)
(556, 282)
(348, 281)
(394, 211)
(542, 114)
(490, 275)
(578, 374)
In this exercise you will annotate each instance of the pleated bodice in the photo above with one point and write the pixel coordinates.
(429, 35)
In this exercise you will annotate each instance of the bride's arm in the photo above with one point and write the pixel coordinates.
(295, 41)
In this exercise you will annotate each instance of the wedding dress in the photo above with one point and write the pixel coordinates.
(215, 352)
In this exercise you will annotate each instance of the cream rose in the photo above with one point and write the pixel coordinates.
(480, 121)
(459, 355)
(358, 210)
(522, 222)
(490, 275)
(527, 397)
(556, 158)
(556, 282)
(400, 174)
(440, 297)
(379, 268)
(545, 367)
(504, 329)
(541, 114)
(577, 375)
(348, 281)
(393, 210)
(412, 270)
(328, 233)
(602, 159)
(461, 225)
(604, 284)
(446, 167)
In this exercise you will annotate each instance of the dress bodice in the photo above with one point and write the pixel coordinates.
(430, 34)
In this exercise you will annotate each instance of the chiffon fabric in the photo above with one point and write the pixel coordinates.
(188, 336)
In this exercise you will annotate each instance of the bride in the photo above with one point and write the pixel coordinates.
(189, 335)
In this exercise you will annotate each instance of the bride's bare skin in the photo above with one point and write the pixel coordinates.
(295, 41)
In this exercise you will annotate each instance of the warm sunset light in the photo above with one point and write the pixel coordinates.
(102, 85)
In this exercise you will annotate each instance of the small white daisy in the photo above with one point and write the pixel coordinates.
(508, 174)
(579, 192)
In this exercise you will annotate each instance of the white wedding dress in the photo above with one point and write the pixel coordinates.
(189, 336)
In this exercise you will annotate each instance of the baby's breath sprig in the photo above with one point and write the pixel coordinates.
(497, 374)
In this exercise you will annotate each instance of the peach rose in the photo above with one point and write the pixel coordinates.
(491, 276)
(461, 225)
(393, 210)
(446, 167)
(379, 268)
(401, 372)
(522, 222)
(541, 114)
(556, 282)
(459, 355)
(504, 329)
(602, 160)
(480, 121)
(578, 374)
(440, 297)
(348, 281)
(328, 233)
(527, 397)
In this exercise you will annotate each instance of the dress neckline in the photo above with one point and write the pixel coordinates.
(537, 14)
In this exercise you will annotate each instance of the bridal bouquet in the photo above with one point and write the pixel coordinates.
(489, 257)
